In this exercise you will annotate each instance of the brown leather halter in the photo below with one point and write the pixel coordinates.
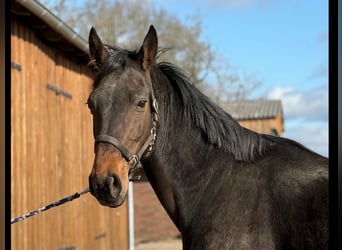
(134, 159)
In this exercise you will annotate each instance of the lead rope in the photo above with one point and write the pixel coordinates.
(51, 205)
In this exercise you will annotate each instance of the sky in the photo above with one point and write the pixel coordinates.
(284, 43)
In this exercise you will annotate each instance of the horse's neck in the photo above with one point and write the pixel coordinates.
(174, 168)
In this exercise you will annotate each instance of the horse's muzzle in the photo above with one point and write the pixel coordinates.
(108, 190)
(108, 181)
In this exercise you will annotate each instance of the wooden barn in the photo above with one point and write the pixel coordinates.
(262, 116)
(52, 138)
(152, 222)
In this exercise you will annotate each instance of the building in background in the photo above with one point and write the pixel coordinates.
(52, 144)
(262, 116)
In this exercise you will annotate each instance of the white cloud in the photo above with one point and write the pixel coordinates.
(305, 116)
(313, 135)
(309, 105)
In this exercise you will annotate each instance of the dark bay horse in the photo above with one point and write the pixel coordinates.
(224, 186)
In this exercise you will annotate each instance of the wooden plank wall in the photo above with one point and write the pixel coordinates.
(52, 153)
(264, 126)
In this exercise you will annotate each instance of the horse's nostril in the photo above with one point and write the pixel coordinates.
(109, 186)
(109, 181)
(113, 184)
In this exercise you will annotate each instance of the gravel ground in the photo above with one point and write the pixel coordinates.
(172, 244)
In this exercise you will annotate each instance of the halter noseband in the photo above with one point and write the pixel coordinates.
(132, 159)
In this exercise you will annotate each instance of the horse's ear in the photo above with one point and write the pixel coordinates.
(97, 51)
(148, 50)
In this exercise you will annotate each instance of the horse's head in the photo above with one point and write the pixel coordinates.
(124, 114)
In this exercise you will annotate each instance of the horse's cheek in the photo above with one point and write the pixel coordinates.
(137, 130)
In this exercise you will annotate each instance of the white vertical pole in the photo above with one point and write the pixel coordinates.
(130, 216)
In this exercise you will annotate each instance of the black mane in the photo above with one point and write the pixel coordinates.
(217, 127)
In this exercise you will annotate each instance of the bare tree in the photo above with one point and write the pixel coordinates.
(124, 23)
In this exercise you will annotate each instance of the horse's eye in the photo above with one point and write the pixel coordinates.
(141, 104)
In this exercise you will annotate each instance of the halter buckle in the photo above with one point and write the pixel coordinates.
(134, 164)
(133, 161)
